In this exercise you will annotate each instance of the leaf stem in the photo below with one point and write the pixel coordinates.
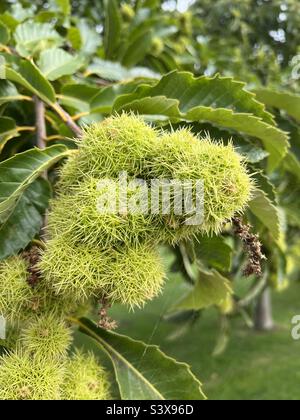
(25, 128)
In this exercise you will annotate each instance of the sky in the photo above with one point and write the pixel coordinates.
(180, 5)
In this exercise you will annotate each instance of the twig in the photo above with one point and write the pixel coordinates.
(41, 135)
(41, 132)
(67, 119)
(25, 128)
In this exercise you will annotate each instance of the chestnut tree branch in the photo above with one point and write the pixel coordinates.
(40, 123)
(67, 119)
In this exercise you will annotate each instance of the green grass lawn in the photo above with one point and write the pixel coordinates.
(254, 366)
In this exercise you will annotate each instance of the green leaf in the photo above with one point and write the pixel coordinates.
(8, 92)
(103, 101)
(77, 96)
(74, 38)
(262, 182)
(28, 75)
(263, 208)
(8, 129)
(26, 220)
(144, 372)
(9, 21)
(55, 63)
(292, 164)
(112, 27)
(274, 140)
(219, 101)
(7, 126)
(4, 34)
(286, 101)
(214, 252)
(215, 92)
(32, 38)
(211, 289)
(18, 172)
(137, 49)
(253, 154)
(64, 6)
(109, 70)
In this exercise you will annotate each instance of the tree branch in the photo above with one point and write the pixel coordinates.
(68, 120)
(40, 124)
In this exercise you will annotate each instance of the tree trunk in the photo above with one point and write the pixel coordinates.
(263, 318)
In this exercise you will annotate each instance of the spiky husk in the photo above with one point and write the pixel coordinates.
(85, 379)
(12, 335)
(118, 144)
(16, 294)
(129, 276)
(20, 302)
(23, 377)
(126, 143)
(227, 185)
(46, 335)
(78, 215)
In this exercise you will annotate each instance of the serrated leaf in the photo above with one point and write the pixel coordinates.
(211, 289)
(18, 172)
(29, 76)
(216, 92)
(253, 154)
(274, 140)
(287, 101)
(263, 208)
(32, 38)
(77, 96)
(110, 70)
(112, 27)
(55, 63)
(263, 183)
(159, 107)
(26, 219)
(144, 372)
(214, 252)
(219, 101)
(4, 34)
